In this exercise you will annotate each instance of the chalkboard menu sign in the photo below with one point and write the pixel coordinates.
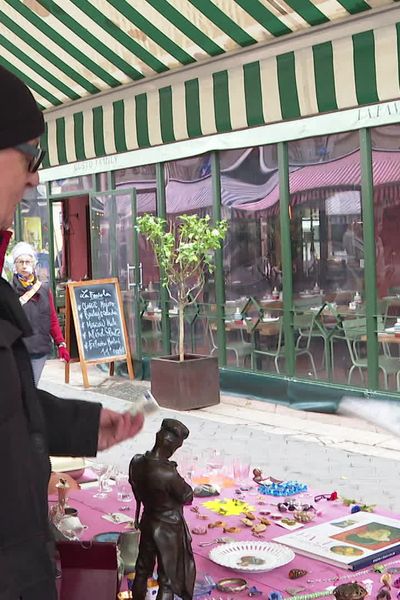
(95, 320)
(100, 321)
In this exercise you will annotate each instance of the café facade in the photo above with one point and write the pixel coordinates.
(287, 124)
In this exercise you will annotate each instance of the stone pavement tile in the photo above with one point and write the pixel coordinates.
(390, 443)
(306, 415)
(315, 428)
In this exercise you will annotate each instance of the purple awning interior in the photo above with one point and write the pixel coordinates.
(312, 182)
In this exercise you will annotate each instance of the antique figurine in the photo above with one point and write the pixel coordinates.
(165, 537)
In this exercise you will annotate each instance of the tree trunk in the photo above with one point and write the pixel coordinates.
(181, 307)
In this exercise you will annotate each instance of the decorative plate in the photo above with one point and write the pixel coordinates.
(108, 536)
(251, 556)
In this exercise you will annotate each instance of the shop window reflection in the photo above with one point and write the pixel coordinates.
(252, 259)
(35, 228)
(386, 176)
(326, 228)
(189, 191)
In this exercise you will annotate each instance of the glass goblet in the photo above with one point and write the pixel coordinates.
(100, 469)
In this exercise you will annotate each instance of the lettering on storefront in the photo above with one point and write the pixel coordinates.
(95, 327)
(379, 111)
(105, 163)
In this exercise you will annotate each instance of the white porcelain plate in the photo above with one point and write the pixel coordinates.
(251, 556)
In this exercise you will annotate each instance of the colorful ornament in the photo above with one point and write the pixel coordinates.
(285, 488)
(253, 591)
(297, 573)
(355, 509)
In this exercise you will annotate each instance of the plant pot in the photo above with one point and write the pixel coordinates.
(192, 383)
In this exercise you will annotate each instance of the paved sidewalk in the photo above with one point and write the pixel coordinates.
(328, 451)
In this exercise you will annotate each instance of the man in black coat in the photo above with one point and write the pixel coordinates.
(33, 423)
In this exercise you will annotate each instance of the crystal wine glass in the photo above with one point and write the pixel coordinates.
(100, 469)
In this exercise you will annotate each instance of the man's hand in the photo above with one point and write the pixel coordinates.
(116, 427)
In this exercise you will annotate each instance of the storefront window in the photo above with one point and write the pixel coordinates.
(386, 174)
(252, 259)
(35, 227)
(143, 180)
(72, 184)
(327, 257)
(189, 191)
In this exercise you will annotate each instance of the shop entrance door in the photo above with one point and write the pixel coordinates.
(115, 253)
(69, 224)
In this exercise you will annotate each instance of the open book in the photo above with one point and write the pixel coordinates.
(352, 542)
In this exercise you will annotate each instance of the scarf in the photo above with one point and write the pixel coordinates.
(26, 282)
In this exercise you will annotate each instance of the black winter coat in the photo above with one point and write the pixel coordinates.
(33, 424)
(37, 311)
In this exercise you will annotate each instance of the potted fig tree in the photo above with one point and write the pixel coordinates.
(184, 251)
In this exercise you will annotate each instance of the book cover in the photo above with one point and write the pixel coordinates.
(351, 542)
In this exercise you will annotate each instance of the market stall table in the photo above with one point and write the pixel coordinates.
(319, 575)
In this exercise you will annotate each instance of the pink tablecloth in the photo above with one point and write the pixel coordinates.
(91, 509)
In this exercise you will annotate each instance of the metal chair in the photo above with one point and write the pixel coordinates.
(275, 353)
(355, 332)
(240, 348)
(304, 325)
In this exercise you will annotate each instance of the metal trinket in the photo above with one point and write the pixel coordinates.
(233, 584)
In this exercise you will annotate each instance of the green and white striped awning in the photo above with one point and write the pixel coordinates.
(71, 50)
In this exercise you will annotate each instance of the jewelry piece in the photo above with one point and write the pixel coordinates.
(330, 497)
(234, 584)
(314, 595)
(199, 530)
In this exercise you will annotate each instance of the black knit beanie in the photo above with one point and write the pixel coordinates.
(20, 117)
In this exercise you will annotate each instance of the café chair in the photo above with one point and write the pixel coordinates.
(355, 332)
(303, 324)
(240, 348)
(275, 352)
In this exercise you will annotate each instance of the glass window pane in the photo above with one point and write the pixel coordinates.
(189, 191)
(35, 227)
(143, 180)
(386, 173)
(252, 259)
(328, 258)
(72, 184)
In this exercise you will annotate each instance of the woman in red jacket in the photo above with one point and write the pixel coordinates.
(38, 304)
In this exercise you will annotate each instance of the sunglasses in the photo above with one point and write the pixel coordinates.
(35, 154)
(332, 496)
